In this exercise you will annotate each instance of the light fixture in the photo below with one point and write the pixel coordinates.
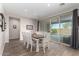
(48, 5)
(61, 4)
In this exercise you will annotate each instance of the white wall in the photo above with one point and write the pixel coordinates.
(7, 29)
(2, 34)
(24, 22)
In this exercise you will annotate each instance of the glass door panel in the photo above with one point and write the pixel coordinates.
(61, 28)
(66, 28)
(54, 28)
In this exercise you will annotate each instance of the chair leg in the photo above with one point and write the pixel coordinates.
(24, 45)
(44, 48)
(27, 45)
(31, 48)
(37, 46)
(48, 46)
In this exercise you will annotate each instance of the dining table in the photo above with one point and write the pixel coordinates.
(38, 38)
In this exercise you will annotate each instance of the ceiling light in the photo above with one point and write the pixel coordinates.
(61, 4)
(48, 5)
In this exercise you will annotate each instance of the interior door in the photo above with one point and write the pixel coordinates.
(14, 28)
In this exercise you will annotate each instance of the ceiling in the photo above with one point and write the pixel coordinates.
(38, 10)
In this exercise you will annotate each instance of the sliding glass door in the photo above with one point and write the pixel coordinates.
(61, 28)
(66, 28)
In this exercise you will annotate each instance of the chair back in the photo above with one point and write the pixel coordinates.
(24, 36)
(46, 36)
(29, 37)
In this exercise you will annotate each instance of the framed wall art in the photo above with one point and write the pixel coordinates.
(29, 27)
(14, 26)
(2, 22)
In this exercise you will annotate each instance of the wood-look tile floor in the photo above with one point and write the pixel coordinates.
(16, 48)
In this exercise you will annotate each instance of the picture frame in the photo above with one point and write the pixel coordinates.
(29, 27)
(14, 26)
(2, 22)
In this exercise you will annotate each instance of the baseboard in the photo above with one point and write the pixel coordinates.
(61, 43)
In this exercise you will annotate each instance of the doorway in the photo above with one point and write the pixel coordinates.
(14, 28)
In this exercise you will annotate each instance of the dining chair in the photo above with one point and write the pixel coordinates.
(46, 41)
(24, 38)
(29, 37)
(31, 42)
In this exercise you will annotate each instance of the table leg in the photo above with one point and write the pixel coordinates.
(37, 45)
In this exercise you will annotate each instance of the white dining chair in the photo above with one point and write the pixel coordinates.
(24, 38)
(27, 38)
(32, 43)
(46, 41)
